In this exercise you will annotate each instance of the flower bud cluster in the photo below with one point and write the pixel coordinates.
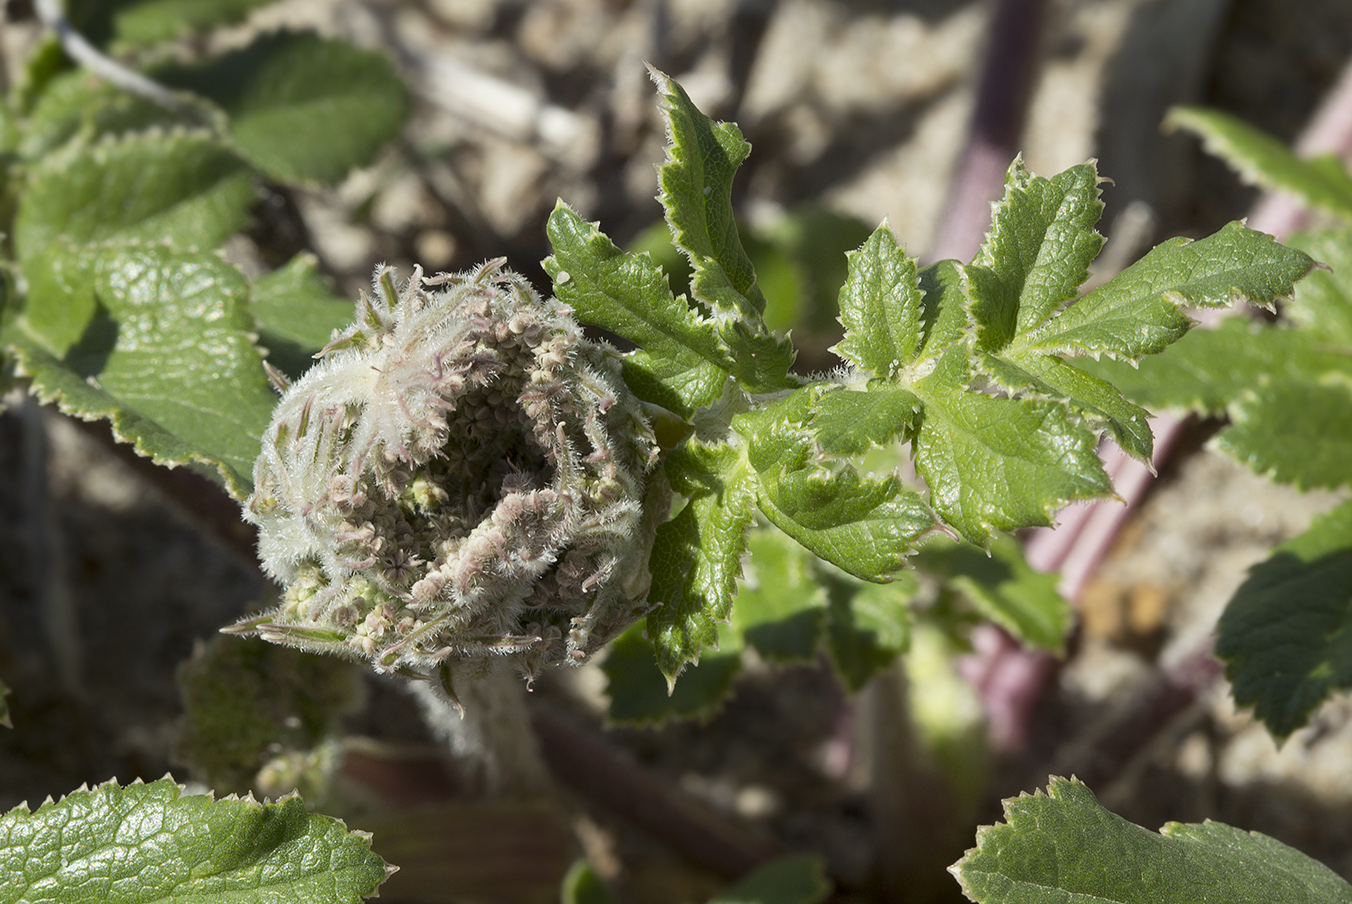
(461, 476)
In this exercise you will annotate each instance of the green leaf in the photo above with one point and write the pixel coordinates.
(81, 106)
(1137, 312)
(794, 879)
(696, 193)
(1206, 370)
(1004, 588)
(880, 306)
(1322, 183)
(697, 555)
(849, 422)
(641, 695)
(184, 188)
(582, 885)
(1286, 636)
(780, 609)
(1323, 303)
(147, 843)
(867, 625)
(1064, 847)
(1296, 432)
(1096, 401)
(165, 355)
(1037, 253)
(302, 108)
(144, 22)
(297, 314)
(681, 363)
(999, 463)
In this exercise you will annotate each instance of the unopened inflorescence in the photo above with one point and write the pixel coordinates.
(461, 476)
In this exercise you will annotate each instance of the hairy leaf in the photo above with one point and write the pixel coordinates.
(850, 423)
(793, 879)
(165, 355)
(1037, 253)
(1063, 847)
(184, 188)
(697, 555)
(1322, 183)
(999, 463)
(147, 843)
(1137, 312)
(1286, 636)
(880, 306)
(681, 363)
(696, 191)
(302, 108)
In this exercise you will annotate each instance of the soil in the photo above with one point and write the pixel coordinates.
(858, 105)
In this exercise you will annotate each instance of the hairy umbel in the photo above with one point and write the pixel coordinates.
(461, 476)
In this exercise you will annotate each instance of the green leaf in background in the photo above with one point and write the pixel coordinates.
(1286, 636)
(1295, 432)
(867, 625)
(296, 314)
(696, 192)
(1064, 847)
(996, 464)
(582, 885)
(1322, 183)
(166, 355)
(880, 306)
(79, 105)
(184, 188)
(1038, 251)
(641, 695)
(681, 363)
(1323, 303)
(795, 879)
(142, 22)
(302, 108)
(697, 555)
(148, 843)
(1004, 588)
(781, 608)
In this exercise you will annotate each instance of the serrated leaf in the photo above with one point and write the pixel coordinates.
(81, 106)
(999, 463)
(697, 556)
(1063, 847)
(1296, 432)
(794, 879)
(696, 194)
(1286, 635)
(1260, 159)
(849, 422)
(183, 188)
(1097, 401)
(302, 108)
(943, 312)
(641, 695)
(681, 363)
(146, 843)
(1323, 302)
(165, 355)
(1004, 588)
(880, 306)
(1037, 253)
(780, 608)
(867, 625)
(296, 314)
(1137, 312)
